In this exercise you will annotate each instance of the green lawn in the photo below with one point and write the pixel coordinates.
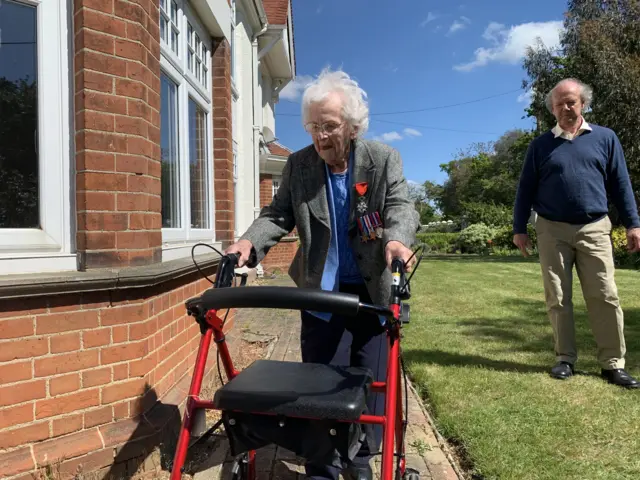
(479, 347)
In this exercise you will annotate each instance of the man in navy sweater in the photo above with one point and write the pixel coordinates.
(568, 174)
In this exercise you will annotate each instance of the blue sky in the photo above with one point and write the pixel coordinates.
(412, 54)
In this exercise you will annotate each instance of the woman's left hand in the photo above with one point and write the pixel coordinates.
(395, 249)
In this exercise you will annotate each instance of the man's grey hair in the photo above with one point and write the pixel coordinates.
(355, 108)
(586, 93)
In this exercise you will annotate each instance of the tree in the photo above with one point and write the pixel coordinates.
(418, 194)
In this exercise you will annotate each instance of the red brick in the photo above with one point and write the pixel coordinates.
(139, 72)
(143, 330)
(63, 322)
(16, 461)
(64, 384)
(144, 221)
(15, 372)
(97, 417)
(69, 362)
(127, 240)
(16, 415)
(22, 392)
(130, 50)
(100, 22)
(131, 164)
(96, 338)
(20, 327)
(104, 102)
(140, 368)
(88, 463)
(67, 403)
(120, 372)
(132, 126)
(140, 109)
(94, 81)
(105, 6)
(15, 349)
(103, 221)
(91, 120)
(105, 142)
(130, 202)
(129, 11)
(121, 411)
(97, 241)
(67, 447)
(121, 353)
(120, 391)
(66, 425)
(94, 41)
(92, 378)
(124, 314)
(90, 160)
(120, 334)
(65, 343)
(101, 63)
(96, 201)
(102, 181)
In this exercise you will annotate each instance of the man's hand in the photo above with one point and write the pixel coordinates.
(395, 249)
(521, 240)
(633, 239)
(243, 248)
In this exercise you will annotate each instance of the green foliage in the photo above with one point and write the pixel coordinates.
(621, 255)
(488, 213)
(439, 242)
(476, 238)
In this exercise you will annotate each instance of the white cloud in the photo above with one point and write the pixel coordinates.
(526, 97)
(430, 18)
(394, 136)
(458, 25)
(509, 44)
(293, 90)
(388, 137)
(412, 132)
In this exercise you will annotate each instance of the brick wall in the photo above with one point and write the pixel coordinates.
(223, 142)
(281, 255)
(75, 371)
(117, 104)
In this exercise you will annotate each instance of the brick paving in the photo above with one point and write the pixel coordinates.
(424, 451)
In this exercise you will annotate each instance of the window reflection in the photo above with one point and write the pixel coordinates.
(198, 171)
(19, 195)
(169, 154)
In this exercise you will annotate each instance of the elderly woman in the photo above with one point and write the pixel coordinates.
(349, 201)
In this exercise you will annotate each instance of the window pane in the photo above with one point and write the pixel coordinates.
(174, 41)
(198, 171)
(169, 154)
(163, 28)
(174, 12)
(190, 61)
(19, 195)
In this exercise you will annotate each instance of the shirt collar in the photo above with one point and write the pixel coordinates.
(559, 132)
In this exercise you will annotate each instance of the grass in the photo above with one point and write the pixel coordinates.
(479, 347)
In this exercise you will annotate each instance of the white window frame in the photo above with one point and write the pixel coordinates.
(276, 181)
(50, 248)
(175, 68)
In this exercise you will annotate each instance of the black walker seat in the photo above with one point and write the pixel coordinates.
(294, 389)
(308, 408)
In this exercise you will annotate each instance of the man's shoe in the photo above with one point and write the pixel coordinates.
(619, 377)
(358, 473)
(562, 370)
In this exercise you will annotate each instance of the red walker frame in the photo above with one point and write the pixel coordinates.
(391, 421)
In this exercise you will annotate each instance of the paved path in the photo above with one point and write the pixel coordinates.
(424, 452)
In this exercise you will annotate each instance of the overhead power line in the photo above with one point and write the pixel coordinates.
(425, 127)
(426, 109)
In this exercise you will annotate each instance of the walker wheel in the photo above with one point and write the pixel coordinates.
(240, 468)
(411, 474)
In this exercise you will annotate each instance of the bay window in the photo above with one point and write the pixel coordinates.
(186, 127)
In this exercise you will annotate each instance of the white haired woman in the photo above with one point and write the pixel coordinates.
(349, 201)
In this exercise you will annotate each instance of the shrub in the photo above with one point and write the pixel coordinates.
(503, 237)
(621, 255)
(476, 238)
(487, 213)
(438, 242)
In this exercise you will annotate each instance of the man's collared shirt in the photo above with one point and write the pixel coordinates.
(559, 132)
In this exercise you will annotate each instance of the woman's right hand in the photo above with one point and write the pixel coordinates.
(243, 249)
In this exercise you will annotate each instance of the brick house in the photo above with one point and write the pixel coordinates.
(130, 130)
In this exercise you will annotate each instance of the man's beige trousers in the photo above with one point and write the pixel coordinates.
(588, 247)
